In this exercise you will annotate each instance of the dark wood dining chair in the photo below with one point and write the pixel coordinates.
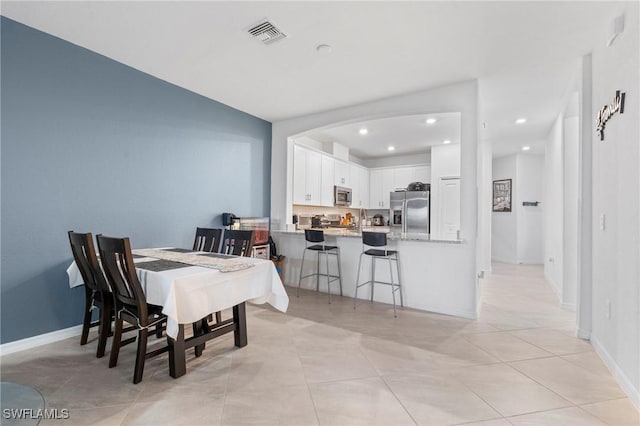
(129, 299)
(97, 292)
(207, 239)
(238, 243)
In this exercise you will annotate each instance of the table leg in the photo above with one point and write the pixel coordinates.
(177, 355)
(198, 330)
(240, 320)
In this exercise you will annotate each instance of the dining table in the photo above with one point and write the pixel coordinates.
(191, 286)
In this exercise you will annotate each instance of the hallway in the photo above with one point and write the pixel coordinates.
(519, 364)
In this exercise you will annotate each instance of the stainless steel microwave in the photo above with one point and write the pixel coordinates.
(342, 196)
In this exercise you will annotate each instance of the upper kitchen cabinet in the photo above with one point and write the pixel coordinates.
(422, 174)
(402, 177)
(360, 187)
(307, 168)
(328, 177)
(382, 184)
(342, 174)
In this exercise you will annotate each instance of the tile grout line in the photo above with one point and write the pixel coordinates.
(398, 399)
(306, 380)
(226, 389)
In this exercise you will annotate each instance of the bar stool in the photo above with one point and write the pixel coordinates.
(314, 237)
(379, 239)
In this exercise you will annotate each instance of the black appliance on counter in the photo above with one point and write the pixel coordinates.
(377, 220)
(228, 219)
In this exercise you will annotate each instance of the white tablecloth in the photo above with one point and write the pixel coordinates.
(191, 293)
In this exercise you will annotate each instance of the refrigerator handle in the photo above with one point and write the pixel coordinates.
(404, 217)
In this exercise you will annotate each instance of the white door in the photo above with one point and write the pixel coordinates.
(449, 208)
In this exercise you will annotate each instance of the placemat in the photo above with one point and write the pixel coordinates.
(160, 265)
(219, 255)
(179, 250)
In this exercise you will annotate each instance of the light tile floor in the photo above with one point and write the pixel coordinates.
(519, 364)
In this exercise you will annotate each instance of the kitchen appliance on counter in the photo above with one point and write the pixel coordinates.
(409, 211)
(334, 219)
(260, 227)
(418, 186)
(377, 220)
(304, 221)
(341, 196)
(228, 219)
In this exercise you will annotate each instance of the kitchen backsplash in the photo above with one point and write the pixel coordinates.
(319, 210)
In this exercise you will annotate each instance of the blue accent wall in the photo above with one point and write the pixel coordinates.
(91, 145)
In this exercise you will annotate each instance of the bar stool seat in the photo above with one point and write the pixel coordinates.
(379, 239)
(322, 248)
(315, 236)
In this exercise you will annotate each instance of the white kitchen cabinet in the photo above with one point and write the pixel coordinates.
(307, 167)
(342, 174)
(422, 174)
(402, 177)
(359, 187)
(382, 184)
(328, 176)
(364, 188)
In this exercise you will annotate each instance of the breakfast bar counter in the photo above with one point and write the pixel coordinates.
(430, 270)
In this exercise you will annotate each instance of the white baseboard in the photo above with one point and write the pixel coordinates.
(583, 334)
(620, 376)
(556, 288)
(42, 339)
(568, 306)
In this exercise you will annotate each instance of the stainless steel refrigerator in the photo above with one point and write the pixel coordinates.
(409, 212)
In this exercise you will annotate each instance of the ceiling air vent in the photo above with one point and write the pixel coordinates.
(266, 32)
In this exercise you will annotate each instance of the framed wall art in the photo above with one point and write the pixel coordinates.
(502, 195)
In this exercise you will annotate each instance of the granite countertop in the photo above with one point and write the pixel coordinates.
(342, 232)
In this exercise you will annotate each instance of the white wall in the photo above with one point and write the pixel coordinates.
(516, 236)
(459, 97)
(504, 227)
(571, 155)
(528, 187)
(552, 207)
(616, 194)
(485, 196)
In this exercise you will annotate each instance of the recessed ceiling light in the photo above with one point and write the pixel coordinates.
(521, 120)
(446, 142)
(431, 120)
(391, 148)
(323, 48)
(363, 131)
(526, 148)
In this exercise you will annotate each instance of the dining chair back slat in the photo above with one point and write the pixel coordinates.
(238, 243)
(97, 291)
(117, 262)
(84, 254)
(207, 239)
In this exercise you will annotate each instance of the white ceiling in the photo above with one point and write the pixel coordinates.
(408, 134)
(525, 54)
